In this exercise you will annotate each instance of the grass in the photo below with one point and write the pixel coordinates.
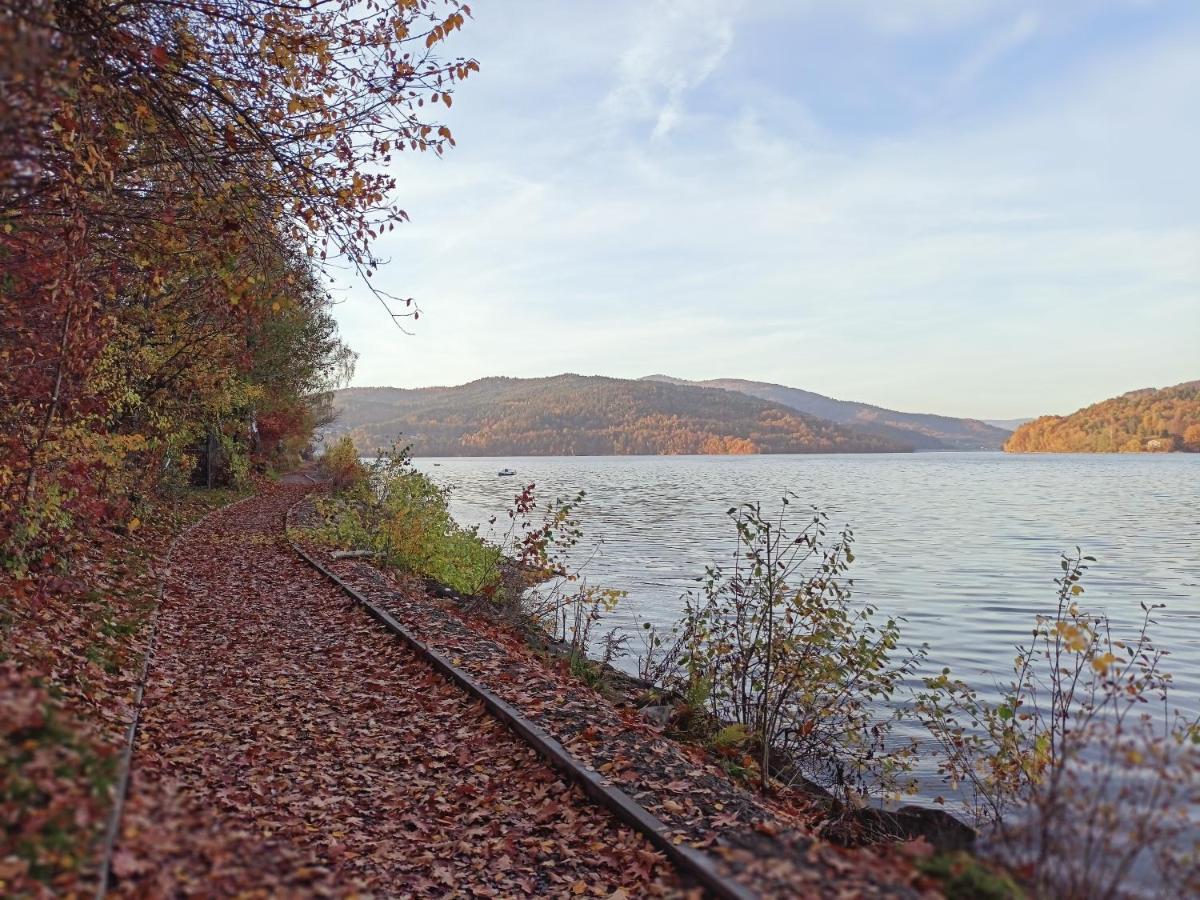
(404, 517)
(963, 877)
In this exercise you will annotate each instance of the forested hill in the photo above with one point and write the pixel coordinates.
(1142, 421)
(923, 431)
(578, 415)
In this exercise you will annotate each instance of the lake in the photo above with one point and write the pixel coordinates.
(965, 546)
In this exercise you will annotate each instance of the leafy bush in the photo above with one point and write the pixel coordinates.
(341, 465)
(547, 586)
(404, 517)
(1083, 774)
(776, 646)
(237, 460)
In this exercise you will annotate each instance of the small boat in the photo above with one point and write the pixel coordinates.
(504, 472)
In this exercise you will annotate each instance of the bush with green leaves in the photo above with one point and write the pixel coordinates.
(774, 644)
(1083, 776)
(403, 516)
(341, 465)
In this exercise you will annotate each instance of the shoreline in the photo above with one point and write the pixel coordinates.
(487, 648)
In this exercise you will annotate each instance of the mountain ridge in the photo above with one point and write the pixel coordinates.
(926, 431)
(1146, 420)
(1008, 424)
(586, 415)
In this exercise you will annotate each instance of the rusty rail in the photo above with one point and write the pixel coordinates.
(125, 764)
(693, 864)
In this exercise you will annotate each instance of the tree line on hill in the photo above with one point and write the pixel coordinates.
(576, 415)
(922, 430)
(1143, 421)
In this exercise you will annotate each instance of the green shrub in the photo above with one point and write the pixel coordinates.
(731, 736)
(237, 461)
(963, 877)
(404, 517)
(460, 559)
(776, 647)
(341, 464)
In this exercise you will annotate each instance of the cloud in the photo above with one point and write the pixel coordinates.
(1018, 257)
(676, 47)
(997, 45)
(902, 19)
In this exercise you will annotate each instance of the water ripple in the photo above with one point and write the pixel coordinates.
(964, 545)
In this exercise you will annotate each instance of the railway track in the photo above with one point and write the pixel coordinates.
(286, 746)
(692, 864)
(283, 748)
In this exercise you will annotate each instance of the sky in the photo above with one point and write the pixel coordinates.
(969, 207)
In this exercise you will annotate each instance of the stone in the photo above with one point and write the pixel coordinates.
(659, 716)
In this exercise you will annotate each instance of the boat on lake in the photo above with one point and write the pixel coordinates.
(503, 472)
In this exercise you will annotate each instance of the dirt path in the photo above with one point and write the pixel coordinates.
(288, 746)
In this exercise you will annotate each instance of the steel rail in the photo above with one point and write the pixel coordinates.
(125, 764)
(688, 861)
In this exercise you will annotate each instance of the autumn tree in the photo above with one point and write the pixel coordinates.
(173, 178)
(1191, 438)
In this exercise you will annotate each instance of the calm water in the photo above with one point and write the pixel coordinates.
(964, 545)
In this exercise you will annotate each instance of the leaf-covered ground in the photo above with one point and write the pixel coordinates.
(769, 846)
(73, 634)
(289, 746)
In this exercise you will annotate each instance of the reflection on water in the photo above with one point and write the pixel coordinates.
(963, 545)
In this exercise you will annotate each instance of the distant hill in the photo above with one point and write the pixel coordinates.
(923, 431)
(578, 415)
(1148, 420)
(1008, 424)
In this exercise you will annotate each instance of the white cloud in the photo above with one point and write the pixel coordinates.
(677, 45)
(997, 45)
(941, 266)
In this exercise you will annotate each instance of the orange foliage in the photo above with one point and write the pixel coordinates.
(571, 415)
(1191, 438)
(1145, 421)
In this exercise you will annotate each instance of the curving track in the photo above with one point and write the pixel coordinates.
(287, 747)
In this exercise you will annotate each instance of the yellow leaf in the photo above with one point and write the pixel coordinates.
(135, 523)
(579, 887)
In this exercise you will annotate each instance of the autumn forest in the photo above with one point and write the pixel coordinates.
(251, 646)
(1143, 421)
(174, 179)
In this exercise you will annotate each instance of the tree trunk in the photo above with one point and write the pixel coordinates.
(209, 454)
